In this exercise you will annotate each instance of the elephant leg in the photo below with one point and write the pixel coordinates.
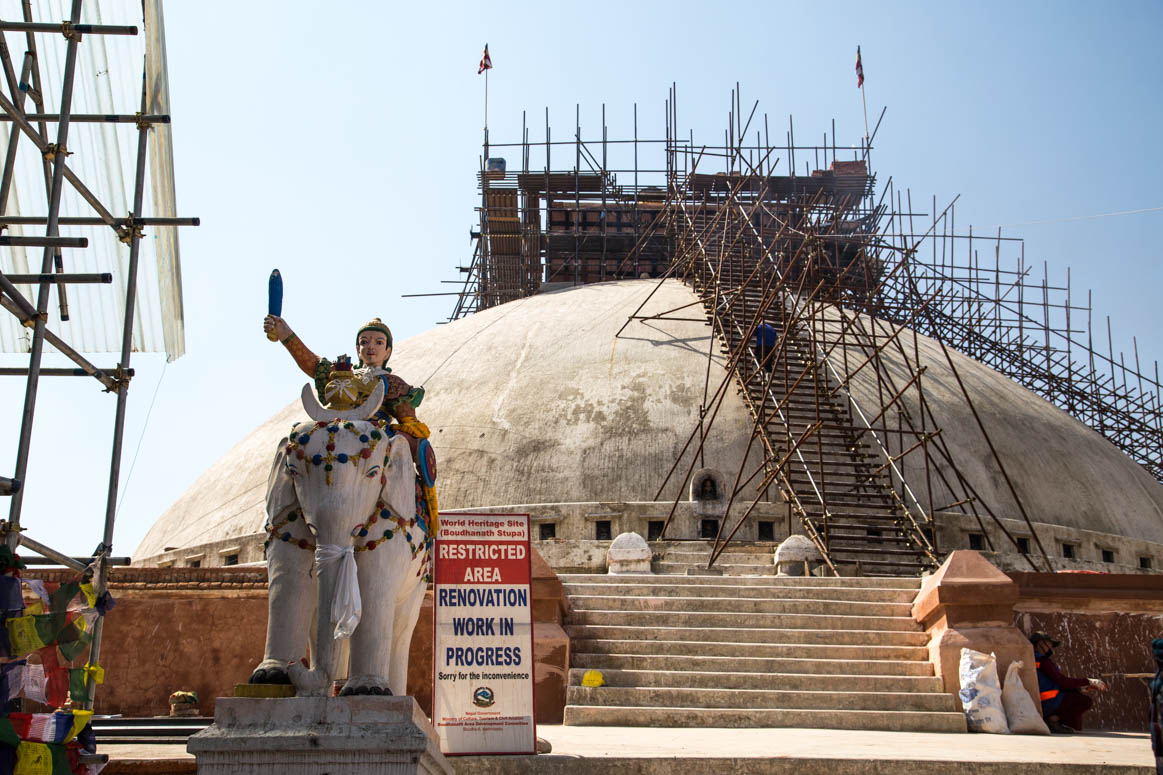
(326, 651)
(380, 572)
(407, 612)
(290, 608)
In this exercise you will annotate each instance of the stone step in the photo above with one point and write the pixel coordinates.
(589, 645)
(699, 556)
(677, 662)
(758, 699)
(912, 721)
(736, 605)
(777, 581)
(634, 631)
(744, 589)
(680, 568)
(803, 682)
(754, 620)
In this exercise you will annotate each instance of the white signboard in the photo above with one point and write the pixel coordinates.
(482, 698)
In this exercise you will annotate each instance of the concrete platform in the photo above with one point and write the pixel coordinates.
(651, 751)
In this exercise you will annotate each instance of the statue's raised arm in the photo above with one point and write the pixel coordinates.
(307, 360)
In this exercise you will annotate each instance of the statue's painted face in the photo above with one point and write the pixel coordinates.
(373, 349)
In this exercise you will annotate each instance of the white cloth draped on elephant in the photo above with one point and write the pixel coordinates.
(341, 504)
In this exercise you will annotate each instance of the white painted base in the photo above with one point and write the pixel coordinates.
(309, 735)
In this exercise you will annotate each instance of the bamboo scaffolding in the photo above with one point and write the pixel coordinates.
(844, 274)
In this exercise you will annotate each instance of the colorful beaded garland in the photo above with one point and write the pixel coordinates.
(300, 437)
(277, 533)
(363, 530)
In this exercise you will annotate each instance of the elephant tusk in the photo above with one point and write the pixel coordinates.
(364, 411)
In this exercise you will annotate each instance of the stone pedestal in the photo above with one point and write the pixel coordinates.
(629, 553)
(796, 556)
(312, 735)
(969, 603)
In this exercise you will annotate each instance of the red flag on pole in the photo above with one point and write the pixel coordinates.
(859, 67)
(486, 62)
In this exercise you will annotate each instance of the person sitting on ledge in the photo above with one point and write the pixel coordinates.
(1064, 698)
(373, 344)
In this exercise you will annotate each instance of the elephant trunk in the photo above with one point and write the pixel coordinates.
(345, 607)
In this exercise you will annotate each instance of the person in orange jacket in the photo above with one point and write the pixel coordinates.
(1064, 699)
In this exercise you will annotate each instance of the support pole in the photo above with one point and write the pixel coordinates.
(37, 348)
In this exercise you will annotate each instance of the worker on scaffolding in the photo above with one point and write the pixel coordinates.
(765, 339)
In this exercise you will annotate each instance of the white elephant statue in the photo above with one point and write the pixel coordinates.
(342, 509)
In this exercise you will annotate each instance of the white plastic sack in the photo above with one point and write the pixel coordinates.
(346, 609)
(1023, 715)
(981, 693)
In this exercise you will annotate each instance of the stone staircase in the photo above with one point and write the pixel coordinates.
(721, 651)
(751, 558)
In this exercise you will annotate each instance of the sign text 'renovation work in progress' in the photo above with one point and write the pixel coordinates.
(482, 699)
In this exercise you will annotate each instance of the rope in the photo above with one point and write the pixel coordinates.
(144, 427)
(1083, 217)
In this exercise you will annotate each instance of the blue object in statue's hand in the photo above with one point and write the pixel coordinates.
(275, 299)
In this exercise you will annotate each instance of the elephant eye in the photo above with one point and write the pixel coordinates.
(291, 470)
(373, 471)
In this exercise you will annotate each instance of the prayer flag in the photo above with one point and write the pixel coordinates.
(22, 635)
(486, 61)
(37, 586)
(33, 759)
(8, 735)
(11, 598)
(78, 692)
(34, 683)
(859, 70)
(11, 680)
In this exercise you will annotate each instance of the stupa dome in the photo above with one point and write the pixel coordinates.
(536, 402)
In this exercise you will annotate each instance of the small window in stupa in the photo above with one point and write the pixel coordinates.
(1145, 563)
(230, 559)
(654, 529)
(1108, 555)
(1023, 544)
(1069, 551)
(602, 530)
(547, 530)
(708, 528)
(766, 531)
(977, 542)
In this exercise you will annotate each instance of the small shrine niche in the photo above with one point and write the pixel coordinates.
(709, 493)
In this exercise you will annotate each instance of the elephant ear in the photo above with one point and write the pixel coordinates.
(399, 490)
(281, 496)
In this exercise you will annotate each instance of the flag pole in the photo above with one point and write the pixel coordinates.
(863, 100)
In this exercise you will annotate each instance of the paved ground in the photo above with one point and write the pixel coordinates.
(836, 752)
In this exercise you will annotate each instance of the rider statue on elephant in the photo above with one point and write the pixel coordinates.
(373, 343)
(351, 517)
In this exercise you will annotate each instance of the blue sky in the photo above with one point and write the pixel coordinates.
(340, 145)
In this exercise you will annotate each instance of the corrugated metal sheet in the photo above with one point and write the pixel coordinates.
(108, 80)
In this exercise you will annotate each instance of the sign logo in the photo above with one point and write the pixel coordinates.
(483, 697)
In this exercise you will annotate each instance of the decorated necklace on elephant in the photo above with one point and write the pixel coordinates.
(279, 531)
(300, 437)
